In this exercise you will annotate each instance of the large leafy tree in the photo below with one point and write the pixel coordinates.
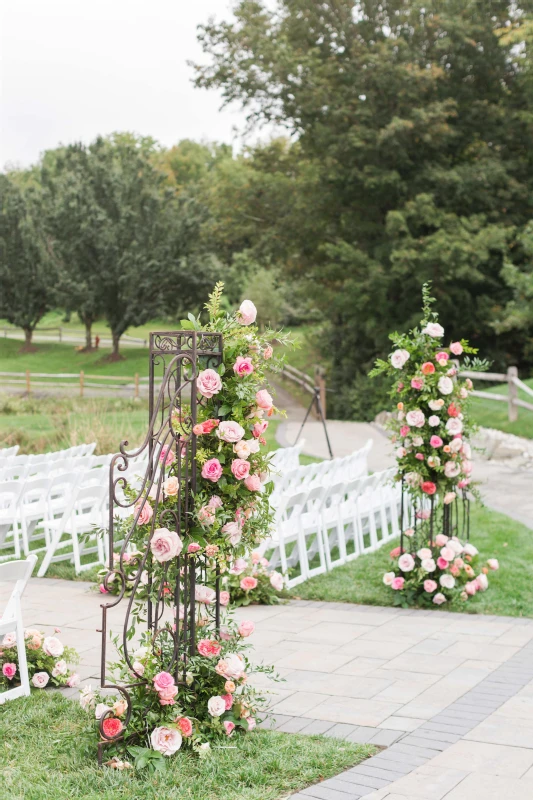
(416, 117)
(129, 241)
(28, 267)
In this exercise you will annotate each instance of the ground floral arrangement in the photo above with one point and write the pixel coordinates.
(431, 428)
(147, 713)
(47, 658)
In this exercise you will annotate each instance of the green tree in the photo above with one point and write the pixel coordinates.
(417, 120)
(28, 268)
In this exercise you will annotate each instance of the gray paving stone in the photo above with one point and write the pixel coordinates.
(388, 775)
(385, 737)
(389, 765)
(273, 722)
(341, 730)
(316, 727)
(351, 789)
(391, 754)
(416, 750)
(360, 779)
(325, 793)
(293, 725)
(361, 735)
(418, 741)
(451, 727)
(438, 736)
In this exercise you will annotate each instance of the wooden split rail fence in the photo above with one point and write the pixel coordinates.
(513, 385)
(72, 380)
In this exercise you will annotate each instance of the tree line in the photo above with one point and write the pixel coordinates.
(408, 158)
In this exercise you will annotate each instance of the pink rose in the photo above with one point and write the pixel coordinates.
(230, 431)
(247, 313)
(206, 515)
(146, 512)
(447, 553)
(434, 330)
(248, 583)
(193, 547)
(165, 545)
(53, 647)
(430, 586)
(209, 648)
(239, 565)
(102, 589)
(439, 599)
(482, 582)
(455, 571)
(456, 348)
(442, 563)
(415, 418)
(471, 588)
(451, 469)
(417, 383)
(167, 697)
(404, 430)
(263, 399)
(493, 563)
(208, 382)
(259, 429)
(228, 699)
(253, 483)
(240, 468)
(229, 727)
(40, 679)
(463, 484)
(246, 628)
(276, 581)
(442, 358)
(166, 740)
(233, 531)
(449, 497)
(216, 706)
(224, 598)
(162, 681)
(441, 539)
(212, 470)
(231, 667)
(185, 726)
(397, 583)
(243, 366)
(204, 594)
(9, 670)
(268, 352)
(424, 514)
(73, 680)
(428, 487)
(251, 723)
(419, 456)
(399, 358)
(435, 441)
(406, 562)
(215, 502)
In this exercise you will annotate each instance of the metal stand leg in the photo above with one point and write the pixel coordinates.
(316, 399)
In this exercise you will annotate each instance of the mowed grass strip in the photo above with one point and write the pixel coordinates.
(510, 591)
(48, 752)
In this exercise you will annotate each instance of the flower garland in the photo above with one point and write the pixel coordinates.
(249, 580)
(47, 658)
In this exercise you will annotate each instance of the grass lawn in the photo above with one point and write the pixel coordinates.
(47, 754)
(510, 591)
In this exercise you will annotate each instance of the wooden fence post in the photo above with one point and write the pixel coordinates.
(320, 381)
(512, 391)
(28, 382)
(60, 334)
(136, 395)
(82, 379)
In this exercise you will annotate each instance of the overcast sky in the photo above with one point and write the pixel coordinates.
(72, 69)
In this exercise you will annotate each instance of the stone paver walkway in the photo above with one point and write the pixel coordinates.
(449, 695)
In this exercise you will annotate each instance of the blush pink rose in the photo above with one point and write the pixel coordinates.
(243, 366)
(193, 547)
(263, 399)
(165, 545)
(233, 531)
(493, 563)
(40, 679)
(439, 599)
(224, 598)
(253, 483)
(430, 586)
(415, 418)
(171, 486)
(246, 628)
(397, 583)
(166, 740)
(166, 456)
(406, 562)
(268, 352)
(53, 647)
(419, 456)
(228, 699)
(404, 430)
(208, 383)
(435, 441)
(247, 313)
(212, 470)
(229, 727)
(146, 512)
(447, 553)
(441, 539)
(206, 515)
(215, 502)
(9, 670)
(167, 697)
(456, 348)
(230, 431)
(240, 468)
(239, 565)
(248, 583)
(259, 429)
(209, 648)
(162, 681)
(204, 594)
(471, 588)
(417, 383)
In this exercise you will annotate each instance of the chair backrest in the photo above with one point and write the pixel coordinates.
(13, 472)
(7, 452)
(9, 495)
(17, 572)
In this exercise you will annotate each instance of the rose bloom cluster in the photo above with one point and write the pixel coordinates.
(47, 658)
(250, 580)
(214, 701)
(443, 571)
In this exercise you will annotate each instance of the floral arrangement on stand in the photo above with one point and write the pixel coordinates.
(156, 715)
(431, 428)
(249, 580)
(47, 658)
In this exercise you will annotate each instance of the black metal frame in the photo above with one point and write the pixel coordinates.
(452, 519)
(175, 359)
(316, 401)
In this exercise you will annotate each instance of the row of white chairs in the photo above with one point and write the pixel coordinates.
(321, 526)
(10, 457)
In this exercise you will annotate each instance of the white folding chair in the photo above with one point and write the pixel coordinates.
(9, 498)
(18, 572)
(13, 473)
(33, 511)
(333, 525)
(8, 452)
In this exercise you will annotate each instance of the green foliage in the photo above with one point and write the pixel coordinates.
(414, 129)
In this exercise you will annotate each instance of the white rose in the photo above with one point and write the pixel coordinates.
(101, 709)
(456, 445)
(40, 679)
(138, 667)
(230, 431)
(53, 647)
(388, 578)
(86, 696)
(434, 420)
(415, 418)
(418, 441)
(454, 426)
(242, 449)
(254, 445)
(401, 452)
(467, 450)
(433, 462)
(482, 582)
(424, 554)
(216, 706)
(399, 358)
(463, 393)
(59, 669)
(451, 469)
(436, 405)
(470, 549)
(447, 581)
(445, 385)
(166, 740)
(434, 330)
(9, 640)
(428, 565)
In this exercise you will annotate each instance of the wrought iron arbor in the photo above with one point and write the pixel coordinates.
(162, 599)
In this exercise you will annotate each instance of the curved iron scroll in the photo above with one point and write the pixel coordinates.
(166, 606)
